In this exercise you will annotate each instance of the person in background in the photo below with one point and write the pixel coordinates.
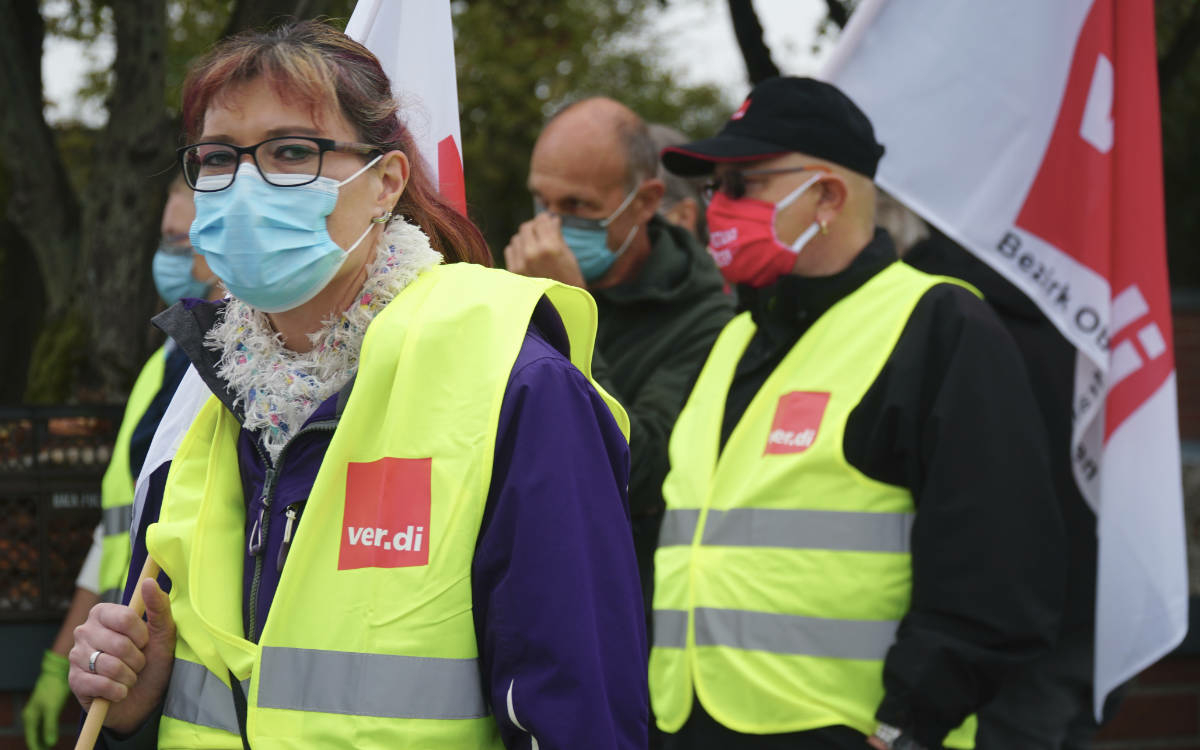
(683, 199)
(1047, 704)
(861, 538)
(593, 178)
(178, 272)
(400, 520)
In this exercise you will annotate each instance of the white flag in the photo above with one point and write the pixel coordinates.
(1028, 131)
(414, 41)
(189, 396)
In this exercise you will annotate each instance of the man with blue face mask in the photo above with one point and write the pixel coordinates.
(661, 300)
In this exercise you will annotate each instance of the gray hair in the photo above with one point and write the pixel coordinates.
(677, 188)
(641, 153)
(905, 227)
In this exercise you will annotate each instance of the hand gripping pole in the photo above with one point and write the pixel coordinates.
(99, 710)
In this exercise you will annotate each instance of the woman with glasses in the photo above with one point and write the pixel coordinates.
(401, 519)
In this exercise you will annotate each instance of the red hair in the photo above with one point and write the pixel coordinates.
(314, 64)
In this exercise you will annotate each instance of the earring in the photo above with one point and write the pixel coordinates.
(824, 227)
(383, 219)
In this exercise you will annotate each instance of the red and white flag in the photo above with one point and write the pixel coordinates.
(1028, 131)
(414, 41)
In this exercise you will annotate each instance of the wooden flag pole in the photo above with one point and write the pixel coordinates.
(99, 710)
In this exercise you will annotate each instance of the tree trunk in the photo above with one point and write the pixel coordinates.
(22, 304)
(749, 33)
(839, 12)
(134, 162)
(42, 204)
(257, 14)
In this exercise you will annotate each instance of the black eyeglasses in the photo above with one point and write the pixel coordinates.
(733, 182)
(286, 161)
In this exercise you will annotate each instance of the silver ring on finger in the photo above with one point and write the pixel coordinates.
(92, 660)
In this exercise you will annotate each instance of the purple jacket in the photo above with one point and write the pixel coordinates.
(557, 603)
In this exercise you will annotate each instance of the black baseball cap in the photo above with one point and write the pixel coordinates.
(782, 115)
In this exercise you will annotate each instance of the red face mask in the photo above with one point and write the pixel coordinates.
(742, 241)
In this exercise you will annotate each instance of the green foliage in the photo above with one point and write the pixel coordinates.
(75, 143)
(57, 356)
(194, 26)
(1181, 148)
(521, 60)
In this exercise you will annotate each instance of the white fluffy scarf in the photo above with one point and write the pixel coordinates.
(279, 389)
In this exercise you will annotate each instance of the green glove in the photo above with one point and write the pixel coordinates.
(46, 703)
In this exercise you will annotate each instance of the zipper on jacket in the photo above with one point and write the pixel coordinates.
(289, 528)
(258, 535)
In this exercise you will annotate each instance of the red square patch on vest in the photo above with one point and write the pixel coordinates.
(797, 419)
(385, 522)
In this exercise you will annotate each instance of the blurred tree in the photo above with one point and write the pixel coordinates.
(1178, 23)
(85, 204)
(749, 33)
(521, 60)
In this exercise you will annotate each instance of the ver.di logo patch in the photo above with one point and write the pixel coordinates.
(797, 421)
(385, 521)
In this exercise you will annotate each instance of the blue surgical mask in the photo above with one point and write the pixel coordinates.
(270, 245)
(588, 241)
(172, 269)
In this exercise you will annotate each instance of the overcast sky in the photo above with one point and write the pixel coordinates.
(701, 46)
(696, 34)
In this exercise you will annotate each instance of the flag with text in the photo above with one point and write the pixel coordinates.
(1028, 131)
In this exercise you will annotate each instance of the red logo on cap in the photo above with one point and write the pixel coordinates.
(385, 521)
(741, 110)
(797, 420)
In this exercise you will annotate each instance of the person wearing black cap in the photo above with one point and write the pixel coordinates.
(861, 537)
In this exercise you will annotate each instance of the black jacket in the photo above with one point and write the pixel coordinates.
(1050, 360)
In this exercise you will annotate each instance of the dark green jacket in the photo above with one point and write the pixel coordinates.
(654, 335)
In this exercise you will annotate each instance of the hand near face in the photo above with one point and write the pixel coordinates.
(135, 666)
(538, 249)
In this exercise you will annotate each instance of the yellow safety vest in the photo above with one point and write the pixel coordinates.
(116, 488)
(782, 571)
(370, 641)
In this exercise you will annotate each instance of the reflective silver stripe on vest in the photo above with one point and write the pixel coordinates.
(198, 696)
(112, 596)
(670, 628)
(678, 527)
(794, 634)
(808, 529)
(117, 520)
(399, 687)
